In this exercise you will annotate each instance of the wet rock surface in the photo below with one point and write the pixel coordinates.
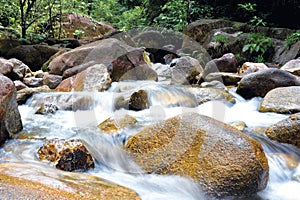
(282, 100)
(66, 155)
(10, 119)
(286, 131)
(261, 82)
(114, 124)
(222, 159)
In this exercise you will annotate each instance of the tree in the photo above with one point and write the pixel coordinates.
(31, 11)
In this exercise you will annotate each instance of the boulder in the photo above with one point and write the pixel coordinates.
(261, 82)
(63, 101)
(115, 123)
(68, 155)
(10, 119)
(6, 67)
(283, 53)
(32, 55)
(286, 131)
(77, 69)
(52, 81)
(125, 62)
(89, 28)
(33, 82)
(250, 67)
(20, 85)
(139, 100)
(74, 185)
(6, 45)
(211, 94)
(24, 94)
(293, 66)
(14, 68)
(213, 84)
(227, 78)
(204, 32)
(95, 78)
(282, 100)
(226, 63)
(223, 160)
(185, 70)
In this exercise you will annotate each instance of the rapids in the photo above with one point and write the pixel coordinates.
(113, 164)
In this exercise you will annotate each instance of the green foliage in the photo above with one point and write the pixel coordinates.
(174, 15)
(133, 18)
(292, 39)
(77, 33)
(257, 44)
(220, 38)
(251, 8)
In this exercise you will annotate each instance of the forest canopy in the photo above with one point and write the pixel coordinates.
(35, 18)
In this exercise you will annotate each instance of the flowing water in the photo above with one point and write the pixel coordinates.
(113, 164)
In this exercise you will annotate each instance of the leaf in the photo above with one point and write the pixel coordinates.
(246, 47)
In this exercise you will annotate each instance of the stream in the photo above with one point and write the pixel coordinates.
(112, 163)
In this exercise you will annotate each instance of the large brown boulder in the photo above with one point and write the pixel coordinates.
(282, 100)
(15, 184)
(125, 62)
(14, 68)
(10, 119)
(66, 155)
(33, 55)
(286, 131)
(261, 82)
(225, 161)
(87, 28)
(94, 78)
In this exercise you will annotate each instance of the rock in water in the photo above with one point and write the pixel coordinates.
(225, 161)
(10, 119)
(286, 131)
(261, 82)
(282, 100)
(66, 155)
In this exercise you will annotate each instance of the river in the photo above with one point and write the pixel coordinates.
(113, 164)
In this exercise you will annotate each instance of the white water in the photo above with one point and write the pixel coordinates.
(112, 162)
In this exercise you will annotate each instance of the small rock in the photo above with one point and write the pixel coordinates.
(47, 109)
(185, 70)
(20, 85)
(26, 93)
(33, 82)
(225, 77)
(239, 125)
(113, 124)
(67, 155)
(139, 100)
(214, 84)
(249, 67)
(52, 81)
(293, 66)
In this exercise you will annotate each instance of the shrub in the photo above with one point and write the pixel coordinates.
(292, 39)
